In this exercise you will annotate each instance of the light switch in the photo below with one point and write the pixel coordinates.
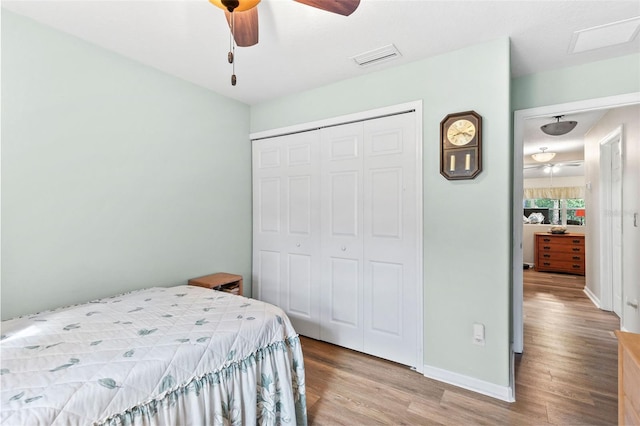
(478, 334)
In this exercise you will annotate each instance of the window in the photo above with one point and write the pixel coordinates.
(570, 211)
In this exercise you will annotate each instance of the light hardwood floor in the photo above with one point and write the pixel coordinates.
(566, 376)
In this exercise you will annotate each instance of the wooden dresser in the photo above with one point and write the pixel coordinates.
(559, 253)
(628, 378)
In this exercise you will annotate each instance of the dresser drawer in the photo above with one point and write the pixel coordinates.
(561, 239)
(561, 248)
(559, 266)
(562, 256)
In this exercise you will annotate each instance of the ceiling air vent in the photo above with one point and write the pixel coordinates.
(377, 56)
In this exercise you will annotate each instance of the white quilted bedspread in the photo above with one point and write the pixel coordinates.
(82, 364)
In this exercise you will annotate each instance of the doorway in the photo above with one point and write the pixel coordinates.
(517, 249)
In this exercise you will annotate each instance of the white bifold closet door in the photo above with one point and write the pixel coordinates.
(369, 252)
(286, 227)
(335, 244)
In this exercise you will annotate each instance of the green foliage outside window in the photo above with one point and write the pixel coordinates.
(556, 208)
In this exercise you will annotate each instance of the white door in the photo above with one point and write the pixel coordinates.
(611, 222)
(616, 226)
(390, 238)
(342, 242)
(286, 226)
(369, 247)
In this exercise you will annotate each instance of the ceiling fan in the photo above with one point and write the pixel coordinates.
(245, 15)
(242, 17)
(553, 167)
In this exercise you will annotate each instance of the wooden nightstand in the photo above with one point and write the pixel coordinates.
(221, 281)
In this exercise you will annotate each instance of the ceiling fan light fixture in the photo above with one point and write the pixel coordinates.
(559, 128)
(235, 5)
(543, 156)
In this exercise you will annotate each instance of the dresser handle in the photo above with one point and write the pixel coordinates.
(546, 263)
(546, 255)
(546, 240)
(546, 247)
(577, 266)
(576, 241)
(576, 249)
(576, 257)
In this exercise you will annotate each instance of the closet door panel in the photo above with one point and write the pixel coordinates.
(268, 269)
(341, 195)
(344, 277)
(299, 205)
(267, 222)
(302, 236)
(386, 203)
(386, 300)
(390, 242)
(301, 300)
(287, 223)
(268, 195)
(345, 209)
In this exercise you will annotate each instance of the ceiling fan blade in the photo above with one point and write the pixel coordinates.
(341, 7)
(246, 27)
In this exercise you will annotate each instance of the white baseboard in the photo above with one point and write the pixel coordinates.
(593, 297)
(504, 393)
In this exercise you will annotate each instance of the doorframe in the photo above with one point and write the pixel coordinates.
(417, 108)
(606, 222)
(517, 325)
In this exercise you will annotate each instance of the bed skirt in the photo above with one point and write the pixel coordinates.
(219, 398)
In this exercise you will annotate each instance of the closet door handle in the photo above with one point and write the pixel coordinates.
(297, 244)
(343, 248)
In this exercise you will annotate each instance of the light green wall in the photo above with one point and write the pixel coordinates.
(114, 176)
(611, 77)
(467, 234)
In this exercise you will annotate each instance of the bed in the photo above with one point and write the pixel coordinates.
(181, 355)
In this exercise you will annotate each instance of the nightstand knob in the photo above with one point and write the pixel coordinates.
(297, 244)
(343, 248)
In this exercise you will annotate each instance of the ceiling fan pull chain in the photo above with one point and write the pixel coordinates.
(232, 50)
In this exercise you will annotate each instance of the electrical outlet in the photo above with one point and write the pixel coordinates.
(478, 334)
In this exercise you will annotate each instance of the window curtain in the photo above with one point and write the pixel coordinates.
(562, 192)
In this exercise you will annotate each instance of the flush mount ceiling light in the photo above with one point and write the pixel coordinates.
(604, 36)
(543, 156)
(242, 17)
(558, 128)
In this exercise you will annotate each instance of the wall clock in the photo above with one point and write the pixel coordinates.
(461, 145)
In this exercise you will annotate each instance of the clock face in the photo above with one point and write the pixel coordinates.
(461, 132)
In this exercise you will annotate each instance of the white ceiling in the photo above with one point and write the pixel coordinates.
(302, 47)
